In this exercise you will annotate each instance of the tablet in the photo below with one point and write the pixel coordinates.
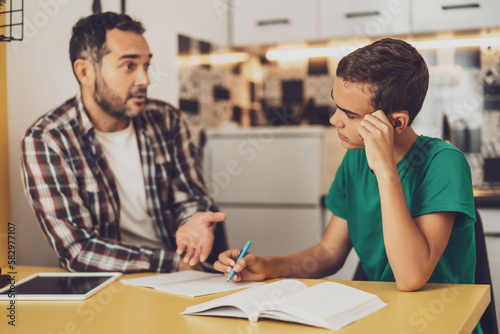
(58, 286)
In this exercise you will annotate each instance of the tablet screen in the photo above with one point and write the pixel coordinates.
(47, 286)
(59, 285)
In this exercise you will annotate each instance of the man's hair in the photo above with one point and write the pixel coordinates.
(88, 39)
(395, 72)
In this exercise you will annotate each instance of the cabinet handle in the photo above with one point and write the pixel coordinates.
(272, 22)
(361, 14)
(492, 234)
(464, 6)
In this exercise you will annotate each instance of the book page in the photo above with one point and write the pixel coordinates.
(155, 280)
(331, 304)
(190, 283)
(254, 301)
(205, 287)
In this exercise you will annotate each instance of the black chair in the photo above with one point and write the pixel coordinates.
(220, 243)
(483, 276)
(359, 274)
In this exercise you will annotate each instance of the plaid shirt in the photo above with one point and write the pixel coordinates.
(72, 191)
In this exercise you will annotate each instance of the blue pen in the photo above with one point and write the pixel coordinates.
(242, 254)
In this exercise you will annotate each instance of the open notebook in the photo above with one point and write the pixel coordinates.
(189, 283)
(329, 305)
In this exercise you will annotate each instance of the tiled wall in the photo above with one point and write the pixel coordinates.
(256, 92)
(213, 95)
(464, 86)
(490, 69)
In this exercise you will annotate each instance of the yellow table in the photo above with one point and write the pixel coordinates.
(122, 308)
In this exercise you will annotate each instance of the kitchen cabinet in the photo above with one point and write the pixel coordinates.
(363, 18)
(273, 230)
(270, 182)
(262, 22)
(491, 225)
(448, 15)
(268, 22)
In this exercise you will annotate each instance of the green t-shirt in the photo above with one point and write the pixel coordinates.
(435, 176)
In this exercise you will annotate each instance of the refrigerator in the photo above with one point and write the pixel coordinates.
(271, 182)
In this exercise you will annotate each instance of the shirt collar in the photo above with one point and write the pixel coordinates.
(85, 122)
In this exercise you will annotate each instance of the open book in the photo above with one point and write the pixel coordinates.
(329, 305)
(189, 283)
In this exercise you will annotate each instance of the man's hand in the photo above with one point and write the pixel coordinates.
(196, 237)
(183, 266)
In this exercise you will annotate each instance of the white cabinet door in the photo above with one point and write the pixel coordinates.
(264, 168)
(447, 15)
(273, 231)
(260, 22)
(364, 18)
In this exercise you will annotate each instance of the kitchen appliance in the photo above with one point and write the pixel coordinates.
(271, 181)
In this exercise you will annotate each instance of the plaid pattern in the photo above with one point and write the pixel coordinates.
(72, 192)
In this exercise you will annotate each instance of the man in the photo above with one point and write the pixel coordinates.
(403, 201)
(112, 175)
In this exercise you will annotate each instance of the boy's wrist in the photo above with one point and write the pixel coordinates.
(388, 174)
(269, 267)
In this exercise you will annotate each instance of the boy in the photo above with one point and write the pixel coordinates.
(403, 201)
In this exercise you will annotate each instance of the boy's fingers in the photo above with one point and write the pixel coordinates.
(240, 265)
(378, 114)
(228, 257)
(219, 266)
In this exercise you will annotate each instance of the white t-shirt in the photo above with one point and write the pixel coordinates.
(122, 154)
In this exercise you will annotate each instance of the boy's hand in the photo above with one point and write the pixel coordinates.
(250, 268)
(377, 133)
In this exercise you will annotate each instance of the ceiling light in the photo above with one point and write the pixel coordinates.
(304, 53)
(455, 43)
(213, 59)
(338, 51)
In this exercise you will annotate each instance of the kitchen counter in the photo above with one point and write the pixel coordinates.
(487, 197)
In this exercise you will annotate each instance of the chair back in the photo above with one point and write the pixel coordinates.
(483, 276)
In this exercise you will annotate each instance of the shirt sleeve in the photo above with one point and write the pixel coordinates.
(336, 199)
(190, 194)
(52, 190)
(446, 186)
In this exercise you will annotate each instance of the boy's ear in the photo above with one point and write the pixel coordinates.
(85, 72)
(400, 120)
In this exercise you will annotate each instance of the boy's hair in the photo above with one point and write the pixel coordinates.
(395, 72)
(88, 39)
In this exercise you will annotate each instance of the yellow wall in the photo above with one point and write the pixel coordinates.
(4, 153)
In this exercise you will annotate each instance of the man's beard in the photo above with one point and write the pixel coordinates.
(113, 104)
